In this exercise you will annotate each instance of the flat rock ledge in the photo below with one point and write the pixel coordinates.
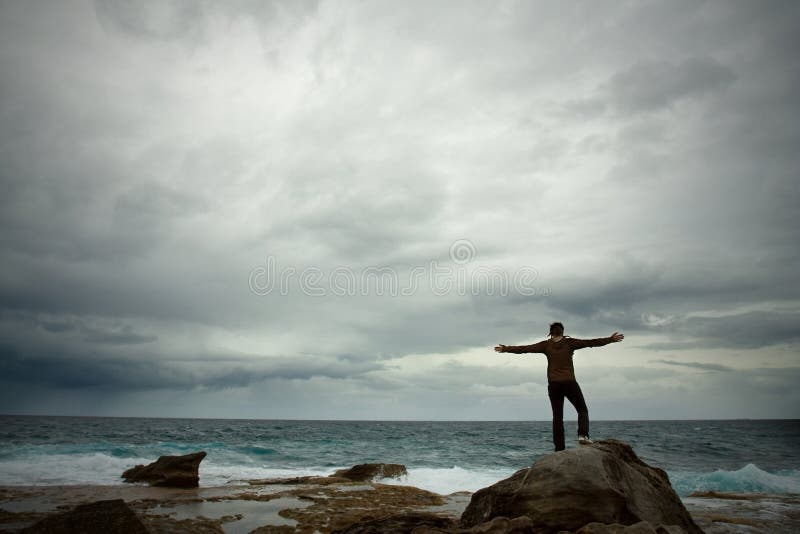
(169, 471)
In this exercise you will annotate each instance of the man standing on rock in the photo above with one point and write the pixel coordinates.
(561, 376)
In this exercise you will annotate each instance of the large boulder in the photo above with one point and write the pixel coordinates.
(601, 483)
(100, 517)
(173, 471)
(367, 472)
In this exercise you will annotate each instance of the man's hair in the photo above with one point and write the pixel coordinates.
(556, 329)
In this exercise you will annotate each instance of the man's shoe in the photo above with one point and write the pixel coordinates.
(584, 440)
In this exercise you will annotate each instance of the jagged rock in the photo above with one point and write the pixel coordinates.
(173, 471)
(367, 472)
(416, 522)
(605, 483)
(100, 517)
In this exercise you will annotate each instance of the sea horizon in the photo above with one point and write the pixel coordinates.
(729, 455)
(566, 419)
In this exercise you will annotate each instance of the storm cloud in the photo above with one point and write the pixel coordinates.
(496, 167)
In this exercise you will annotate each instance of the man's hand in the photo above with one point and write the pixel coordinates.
(500, 348)
(616, 336)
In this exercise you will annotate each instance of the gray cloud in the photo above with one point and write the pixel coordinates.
(168, 20)
(642, 159)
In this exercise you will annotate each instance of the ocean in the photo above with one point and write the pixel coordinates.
(754, 456)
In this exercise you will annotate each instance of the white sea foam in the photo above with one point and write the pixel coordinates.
(445, 481)
(212, 474)
(99, 468)
(749, 479)
(54, 469)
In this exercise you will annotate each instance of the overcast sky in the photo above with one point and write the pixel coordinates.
(335, 210)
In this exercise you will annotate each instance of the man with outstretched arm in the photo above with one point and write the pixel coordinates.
(561, 376)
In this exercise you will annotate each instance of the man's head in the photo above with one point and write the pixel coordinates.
(556, 329)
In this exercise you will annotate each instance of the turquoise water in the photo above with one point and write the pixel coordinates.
(743, 456)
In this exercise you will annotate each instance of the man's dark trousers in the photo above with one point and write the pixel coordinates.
(572, 391)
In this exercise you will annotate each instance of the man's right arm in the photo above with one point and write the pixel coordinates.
(521, 349)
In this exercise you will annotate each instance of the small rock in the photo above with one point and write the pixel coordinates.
(173, 471)
(367, 472)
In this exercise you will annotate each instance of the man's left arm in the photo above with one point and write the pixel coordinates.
(598, 342)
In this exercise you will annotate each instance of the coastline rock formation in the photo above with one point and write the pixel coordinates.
(368, 472)
(566, 491)
(171, 471)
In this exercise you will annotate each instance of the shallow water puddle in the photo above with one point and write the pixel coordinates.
(29, 504)
(345, 489)
(454, 504)
(254, 513)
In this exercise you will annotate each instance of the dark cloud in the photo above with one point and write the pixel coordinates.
(683, 393)
(654, 85)
(148, 372)
(744, 330)
(748, 330)
(124, 335)
(95, 330)
(57, 326)
(696, 365)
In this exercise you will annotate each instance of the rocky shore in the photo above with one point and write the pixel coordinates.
(602, 488)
